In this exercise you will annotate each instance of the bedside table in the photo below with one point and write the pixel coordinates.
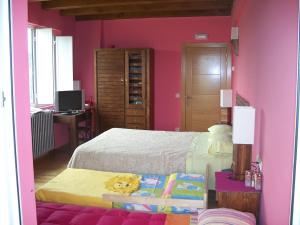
(233, 194)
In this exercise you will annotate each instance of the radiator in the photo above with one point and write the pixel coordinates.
(42, 132)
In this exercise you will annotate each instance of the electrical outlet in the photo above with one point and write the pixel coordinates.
(177, 95)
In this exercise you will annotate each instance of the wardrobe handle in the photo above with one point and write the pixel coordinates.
(122, 80)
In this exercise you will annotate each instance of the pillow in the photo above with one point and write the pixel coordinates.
(223, 137)
(220, 128)
(224, 216)
(220, 143)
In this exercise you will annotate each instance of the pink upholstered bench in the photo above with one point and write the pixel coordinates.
(61, 214)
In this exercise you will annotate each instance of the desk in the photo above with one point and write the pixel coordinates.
(73, 121)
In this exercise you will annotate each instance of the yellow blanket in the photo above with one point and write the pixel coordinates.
(78, 186)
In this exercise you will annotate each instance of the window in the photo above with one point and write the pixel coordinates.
(50, 65)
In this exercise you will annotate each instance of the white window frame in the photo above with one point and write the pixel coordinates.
(63, 63)
(45, 67)
(10, 210)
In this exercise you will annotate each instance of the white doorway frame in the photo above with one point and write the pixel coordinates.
(10, 210)
(295, 201)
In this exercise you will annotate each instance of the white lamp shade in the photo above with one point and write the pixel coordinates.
(243, 125)
(76, 85)
(226, 98)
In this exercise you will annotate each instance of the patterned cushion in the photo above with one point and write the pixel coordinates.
(224, 216)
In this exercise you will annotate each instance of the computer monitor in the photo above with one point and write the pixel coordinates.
(69, 101)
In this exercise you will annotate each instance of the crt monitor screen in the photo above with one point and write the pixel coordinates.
(69, 100)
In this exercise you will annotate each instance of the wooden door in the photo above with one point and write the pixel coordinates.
(110, 88)
(206, 70)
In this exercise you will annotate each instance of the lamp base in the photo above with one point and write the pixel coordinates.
(241, 160)
(225, 116)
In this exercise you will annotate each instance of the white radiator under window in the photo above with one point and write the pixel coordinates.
(42, 132)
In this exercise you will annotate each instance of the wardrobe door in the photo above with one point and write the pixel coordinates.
(110, 88)
(138, 88)
(135, 89)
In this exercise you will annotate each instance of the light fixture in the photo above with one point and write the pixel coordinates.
(226, 98)
(201, 36)
(242, 138)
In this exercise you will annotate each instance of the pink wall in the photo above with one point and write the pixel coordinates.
(87, 38)
(50, 18)
(166, 36)
(21, 92)
(266, 71)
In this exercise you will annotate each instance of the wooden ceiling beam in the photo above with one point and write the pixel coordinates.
(155, 14)
(144, 8)
(38, 0)
(73, 4)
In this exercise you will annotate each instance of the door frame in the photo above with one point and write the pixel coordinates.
(295, 195)
(183, 76)
(10, 195)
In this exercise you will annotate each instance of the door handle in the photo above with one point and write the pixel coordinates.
(187, 100)
(3, 99)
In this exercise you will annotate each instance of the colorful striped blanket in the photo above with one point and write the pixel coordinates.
(175, 186)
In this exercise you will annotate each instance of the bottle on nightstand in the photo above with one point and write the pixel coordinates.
(258, 181)
(248, 178)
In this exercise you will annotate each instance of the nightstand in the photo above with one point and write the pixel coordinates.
(233, 194)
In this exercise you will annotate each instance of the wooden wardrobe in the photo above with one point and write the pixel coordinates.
(123, 88)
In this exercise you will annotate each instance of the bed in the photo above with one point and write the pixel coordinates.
(149, 152)
(177, 193)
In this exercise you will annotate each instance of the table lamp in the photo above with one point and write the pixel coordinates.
(242, 138)
(226, 104)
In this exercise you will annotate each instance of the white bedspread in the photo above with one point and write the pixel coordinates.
(135, 151)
